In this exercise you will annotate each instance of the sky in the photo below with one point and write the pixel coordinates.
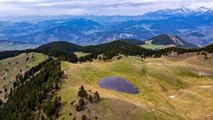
(93, 7)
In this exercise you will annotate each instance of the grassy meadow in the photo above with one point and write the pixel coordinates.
(149, 45)
(80, 54)
(172, 88)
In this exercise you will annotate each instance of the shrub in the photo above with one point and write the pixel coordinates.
(84, 117)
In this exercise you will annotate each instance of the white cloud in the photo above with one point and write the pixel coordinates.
(97, 7)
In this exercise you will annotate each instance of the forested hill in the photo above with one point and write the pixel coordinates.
(60, 45)
(134, 41)
(31, 89)
(112, 49)
(208, 48)
(118, 45)
(70, 47)
(65, 50)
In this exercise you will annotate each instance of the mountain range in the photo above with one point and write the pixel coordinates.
(195, 26)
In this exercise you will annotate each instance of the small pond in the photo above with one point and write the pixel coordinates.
(118, 84)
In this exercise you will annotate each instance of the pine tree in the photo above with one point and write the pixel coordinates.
(90, 98)
(82, 92)
(42, 117)
(1, 103)
(81, 104)
(97, 96)
(56, 86)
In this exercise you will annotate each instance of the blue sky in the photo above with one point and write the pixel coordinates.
(93, 7)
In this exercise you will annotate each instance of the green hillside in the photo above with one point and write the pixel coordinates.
(149, 45)
(11, 67)
(178, 87)
(169, 39)
(171, 83)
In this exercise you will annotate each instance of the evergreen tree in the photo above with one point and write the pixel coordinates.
(82, 92)
(1, 103)
(81, 104)
(90, 99)
(97, 96)
(42, 117)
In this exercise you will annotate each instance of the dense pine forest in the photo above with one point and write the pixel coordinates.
(30, 90)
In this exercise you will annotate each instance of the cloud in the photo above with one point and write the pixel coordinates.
(95, 7)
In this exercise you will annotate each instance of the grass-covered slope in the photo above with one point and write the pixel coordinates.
(81, 54)
(30, 98)
(168, 39)
(149, 45)
(178, 87)
(11, 67)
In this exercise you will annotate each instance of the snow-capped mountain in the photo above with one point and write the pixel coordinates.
(203, 9)
(178, 12)
(193, 25)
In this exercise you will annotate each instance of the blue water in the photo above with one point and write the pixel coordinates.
(118, 84)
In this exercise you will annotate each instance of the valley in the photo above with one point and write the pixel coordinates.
(169, 87)
(12, 45)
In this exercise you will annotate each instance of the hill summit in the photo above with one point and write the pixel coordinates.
(169, 39)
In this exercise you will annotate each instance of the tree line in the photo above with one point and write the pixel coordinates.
(30, 90)
(64, 51)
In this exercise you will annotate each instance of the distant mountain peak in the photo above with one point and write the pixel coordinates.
(203, 9)
(178, 12)
(183, 10)
(188, 10)
(175, 11)
(169, 39)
